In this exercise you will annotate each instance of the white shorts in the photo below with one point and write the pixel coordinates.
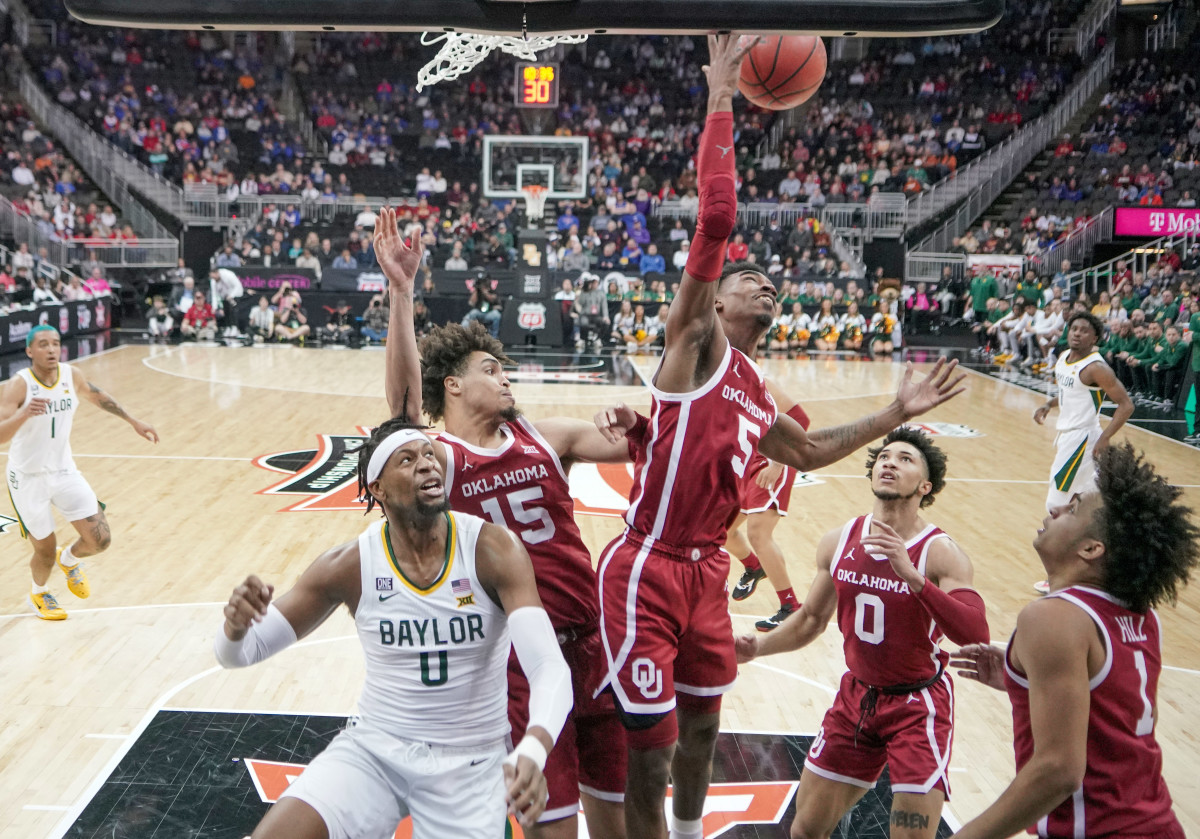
(1074, 469)
(36, 495)
(366, 781)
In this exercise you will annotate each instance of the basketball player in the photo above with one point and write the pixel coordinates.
(1082, 666)
(435, 596)
(898, 584)
(766, 490)
(1084, 381)
(667, 633)
(503, 467)
(37, 410)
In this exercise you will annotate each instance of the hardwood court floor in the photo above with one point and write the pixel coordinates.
(189, 522)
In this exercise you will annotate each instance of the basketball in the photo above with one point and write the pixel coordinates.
(784, 71)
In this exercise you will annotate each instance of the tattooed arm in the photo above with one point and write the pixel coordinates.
(100, 399)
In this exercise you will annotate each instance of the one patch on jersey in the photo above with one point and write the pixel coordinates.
(326, 477)
(383, 583)
(945, 429)
(461, 589)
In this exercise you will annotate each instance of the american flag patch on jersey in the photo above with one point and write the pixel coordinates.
(383, 583)
(460, 587)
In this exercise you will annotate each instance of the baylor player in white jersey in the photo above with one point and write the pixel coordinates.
(1084, 381)
(37, 410)
(436, 597)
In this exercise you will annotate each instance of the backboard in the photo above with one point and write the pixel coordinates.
(514, 161)
(594, 17)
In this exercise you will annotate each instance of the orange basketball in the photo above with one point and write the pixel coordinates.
(783, 71)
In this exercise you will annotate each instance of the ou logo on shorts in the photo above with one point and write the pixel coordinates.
(647, 678)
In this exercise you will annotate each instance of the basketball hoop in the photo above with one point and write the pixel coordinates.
(535, 203)
(463, 50)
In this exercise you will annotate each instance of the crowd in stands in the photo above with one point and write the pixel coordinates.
(25, 283)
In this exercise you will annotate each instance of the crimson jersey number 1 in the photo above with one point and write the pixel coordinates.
(522, 514)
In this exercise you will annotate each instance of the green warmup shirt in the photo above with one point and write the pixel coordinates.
(983, 288)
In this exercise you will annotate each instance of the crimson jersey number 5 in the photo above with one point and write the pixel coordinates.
(522, 514)
(748, 437)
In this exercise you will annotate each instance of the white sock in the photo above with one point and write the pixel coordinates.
(66, 560)
(686, 828)
(40, 589)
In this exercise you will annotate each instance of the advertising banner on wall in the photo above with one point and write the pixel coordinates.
(1153, 222)
(997, 264)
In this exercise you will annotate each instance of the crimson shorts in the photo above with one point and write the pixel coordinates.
(911, 734)
(590, 752)
(665, 618)
(755, 499)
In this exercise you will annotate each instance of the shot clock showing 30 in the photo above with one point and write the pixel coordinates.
(537, 85)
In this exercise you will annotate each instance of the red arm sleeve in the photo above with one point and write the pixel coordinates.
(718, 198)
(637, 435)
(799, 415)
(959, 613)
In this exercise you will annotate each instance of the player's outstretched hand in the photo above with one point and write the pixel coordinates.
(247, 605)
(397, 259)
(725, 54)
(939, 386)
(883, 539)
(526, 791)
(145, 429)
(746, 647)
(982, 662)
(614, 422)
(36, 407)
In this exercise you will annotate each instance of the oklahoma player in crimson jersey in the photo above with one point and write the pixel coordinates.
(898, 585)
(502, 467)
(665, 619)
(1082, 666)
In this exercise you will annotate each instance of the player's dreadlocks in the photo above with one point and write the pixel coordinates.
(444, 352)
(1150, 543)
(935, 458)
(378, 435)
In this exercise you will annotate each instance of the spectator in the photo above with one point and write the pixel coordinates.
(262, 321)
(456, 262)
(484, 305)
(307, 260)
(652, 261)
(227, 258)
(182, 298)
(345, 260)
(375, 319)
(340, 326)
(74, 290)
(291, 321)
(591, 311)
(200, 321)
(158, 319)
(41, 292)
(225, 290)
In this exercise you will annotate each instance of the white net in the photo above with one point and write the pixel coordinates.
(463, 50)
(535, 203)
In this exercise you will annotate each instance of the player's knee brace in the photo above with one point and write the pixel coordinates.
(645, 732)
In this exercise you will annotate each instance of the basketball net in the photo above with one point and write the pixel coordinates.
(463, 50)
(535, 203)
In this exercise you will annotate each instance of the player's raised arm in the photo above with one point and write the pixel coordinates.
(92, 393)
(256, 628)
(507, 575)
(399, 262)
(693, 340)
(787, 442)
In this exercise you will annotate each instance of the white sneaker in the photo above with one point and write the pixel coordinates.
(1042, 587)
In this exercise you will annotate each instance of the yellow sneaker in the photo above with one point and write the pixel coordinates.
(77, 581)
(47, 607)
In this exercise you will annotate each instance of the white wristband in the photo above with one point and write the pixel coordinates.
(530, 747)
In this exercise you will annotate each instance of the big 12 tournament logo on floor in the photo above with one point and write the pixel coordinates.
(325, 478)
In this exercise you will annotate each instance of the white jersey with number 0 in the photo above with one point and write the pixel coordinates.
(43, 443)
(1078, 404)
(436, 656)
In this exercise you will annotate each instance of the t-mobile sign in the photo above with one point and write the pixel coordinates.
(1155, 221)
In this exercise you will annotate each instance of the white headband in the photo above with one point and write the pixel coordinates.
(387, 448)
